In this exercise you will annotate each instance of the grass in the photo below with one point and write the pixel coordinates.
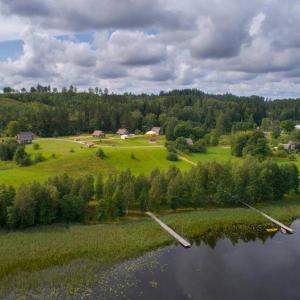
(25, 254)
(217, 153)
(75, 159)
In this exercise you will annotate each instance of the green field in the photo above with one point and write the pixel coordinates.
(74, 158)
(57, 256)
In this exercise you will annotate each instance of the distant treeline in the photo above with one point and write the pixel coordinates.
(64, 199)
(181, 113)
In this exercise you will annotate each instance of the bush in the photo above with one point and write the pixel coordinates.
(280, 153)
(172, 156)
(132, 156)
(199, 147)
(36, 146)
(182, 145)
(21, 157)
(100, 153)
(170, 146)
(8, 149)
(292, 157)
(72, 150)
(39, 158)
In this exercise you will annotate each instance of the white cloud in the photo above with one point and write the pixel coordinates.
(218, 46)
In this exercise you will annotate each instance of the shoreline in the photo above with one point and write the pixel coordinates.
(42, 256)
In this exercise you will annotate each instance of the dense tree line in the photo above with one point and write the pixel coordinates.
(181, 113)
(60, 199)
(64, 199)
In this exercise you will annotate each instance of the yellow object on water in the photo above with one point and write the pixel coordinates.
(272, 229)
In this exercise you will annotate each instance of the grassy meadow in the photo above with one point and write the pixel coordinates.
(31, 258)
(70, 155)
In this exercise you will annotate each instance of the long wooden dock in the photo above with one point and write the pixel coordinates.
(174, 234)
(281, 225)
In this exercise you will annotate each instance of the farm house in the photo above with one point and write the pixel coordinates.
(25, 138)
(98, 134)
(122, 131)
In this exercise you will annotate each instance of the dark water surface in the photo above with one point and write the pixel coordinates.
(260, 266)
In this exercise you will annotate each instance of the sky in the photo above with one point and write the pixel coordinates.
(236, 46)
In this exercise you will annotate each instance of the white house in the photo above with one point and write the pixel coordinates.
(297, 127)
(124, 136)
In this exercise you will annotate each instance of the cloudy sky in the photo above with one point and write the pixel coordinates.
(238, 46)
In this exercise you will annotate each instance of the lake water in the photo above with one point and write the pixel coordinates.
(258, 266)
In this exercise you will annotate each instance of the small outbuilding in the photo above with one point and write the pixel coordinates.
(289, 147)
(122, 131)
(25, 138)
(189, 141)
(156, 129)
(124, 136)
(98, 134)
(90, 144)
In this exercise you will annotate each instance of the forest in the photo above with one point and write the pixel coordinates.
(188, 113)
(66, 199)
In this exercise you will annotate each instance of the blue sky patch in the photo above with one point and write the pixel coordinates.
(10, 49)
(81, 37)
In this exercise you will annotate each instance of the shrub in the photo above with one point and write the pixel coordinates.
(100, 153)
(199, 147)
(21, 157)
(39, 158)
(292, 157)
(182, 145)
(170, 146)
(280, 153)
(132, 156)
(36, 146)
(172, 156)
(8, 149)
(72, 150)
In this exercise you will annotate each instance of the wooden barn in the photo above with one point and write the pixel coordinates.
(98, 134)
(25, 138)
(122, 131)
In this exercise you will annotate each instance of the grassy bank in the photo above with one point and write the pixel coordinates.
(56, 255)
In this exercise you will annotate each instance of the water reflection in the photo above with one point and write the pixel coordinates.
(225, 264)
(235, 234)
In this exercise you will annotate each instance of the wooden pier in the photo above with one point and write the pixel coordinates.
(284, 228)
(175, 235)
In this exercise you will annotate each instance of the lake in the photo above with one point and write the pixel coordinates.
(246, 265)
